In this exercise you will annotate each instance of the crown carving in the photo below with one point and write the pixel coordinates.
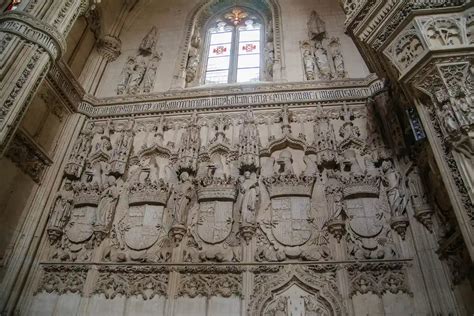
(211, 188)
(361, 185)
(87, 194)
(289, 185)
(148, 192)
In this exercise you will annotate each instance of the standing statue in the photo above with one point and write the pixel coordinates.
(136, 77)
(269, 60)
(180, 199)
(126, 74)
(106, 207)
(395, 191)
(193, 57)
(284, 164)
(309, 64)
(418, 194)
(249, 196)
(78, 156)
(337, 59)
(61, 211)
(150, 74)
(322, 61)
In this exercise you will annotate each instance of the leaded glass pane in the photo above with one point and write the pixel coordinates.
(218, 63)
(215, 77)
(221, 38)
(248, 36)
(249, 61)
(248, 75)
(219, 50)
(249, 48)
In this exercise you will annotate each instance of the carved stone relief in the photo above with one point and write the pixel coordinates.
(322, 56)
(139, 73)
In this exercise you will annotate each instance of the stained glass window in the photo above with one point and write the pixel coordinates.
(234, 48)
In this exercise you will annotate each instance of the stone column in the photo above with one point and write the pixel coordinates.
(31, 38)
(429, 56)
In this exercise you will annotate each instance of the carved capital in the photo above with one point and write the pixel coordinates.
(110, 47)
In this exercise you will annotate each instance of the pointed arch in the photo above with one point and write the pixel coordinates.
(319, 284)
(205, 9)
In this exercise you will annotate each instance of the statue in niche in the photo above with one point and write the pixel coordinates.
(193, 57)
(269, 59)
(137, 75)
(309, 64)
(148, 44)
(316, 27)
(181, 196)
(101, 140)
(337, 59)
(396, 196)
(284, 164)
(127, 72)
(121, 148)
(61, 211)
(150, 74)
(106, 207)
(249, 196)
(418, 194)
(322, 61)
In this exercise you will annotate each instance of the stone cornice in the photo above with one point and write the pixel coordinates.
(35, 31)
(232, 97)
(62, 79)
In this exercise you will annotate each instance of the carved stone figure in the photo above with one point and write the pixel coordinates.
(337, 58)
(193, 57)
(181, 195)
(395, 189)
(150, 74)
(137, 75)
(309, 64)
(249, 195)
(322, 61)
(269, 60)
(284, 164)
(61, 212)
(106, 207)
(127, 72)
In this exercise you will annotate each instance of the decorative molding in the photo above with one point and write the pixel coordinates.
(63, 279)
(257, 95)
(34, 31)
(28, 156)
(63, 81)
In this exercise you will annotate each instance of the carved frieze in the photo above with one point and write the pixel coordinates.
(63, 279)
(209, 285)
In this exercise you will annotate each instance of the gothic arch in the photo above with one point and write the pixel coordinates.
(197, 18)
(321, 285)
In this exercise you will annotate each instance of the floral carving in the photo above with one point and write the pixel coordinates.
(208, 285)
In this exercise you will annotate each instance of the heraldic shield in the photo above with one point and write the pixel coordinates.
(290, 219)
(365, 220)
(215, 221)
(144, 226)
(81, 224)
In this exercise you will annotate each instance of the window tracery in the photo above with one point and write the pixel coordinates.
(234, 48)
(191, 67)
